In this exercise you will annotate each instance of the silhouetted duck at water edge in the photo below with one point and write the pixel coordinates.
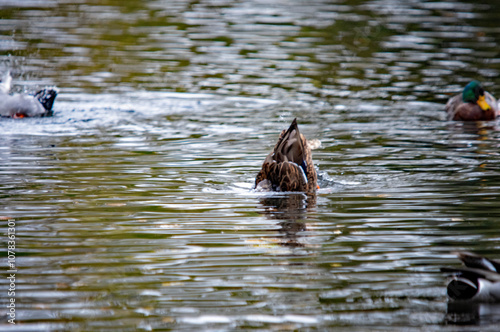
(289, 167)
(474, 104)
(22, 105)
(477, 281)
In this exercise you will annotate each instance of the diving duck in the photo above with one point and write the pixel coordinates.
(22, 105)
(477, 281)
(289, 167)
(474, 104)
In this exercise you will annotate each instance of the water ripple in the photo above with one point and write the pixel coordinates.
(134, 206)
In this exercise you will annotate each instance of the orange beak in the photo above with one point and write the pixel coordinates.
(483, 104)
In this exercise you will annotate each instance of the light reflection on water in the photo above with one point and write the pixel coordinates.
(133, 204)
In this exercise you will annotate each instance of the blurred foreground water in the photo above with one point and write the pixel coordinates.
(133, 204)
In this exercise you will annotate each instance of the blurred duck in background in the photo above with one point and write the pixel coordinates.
(474, 104)
(19, 105)
(477, 281)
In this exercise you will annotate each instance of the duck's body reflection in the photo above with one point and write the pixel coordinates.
(466, 313)
(291, 211)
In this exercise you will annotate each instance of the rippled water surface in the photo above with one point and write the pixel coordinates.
(133, 204)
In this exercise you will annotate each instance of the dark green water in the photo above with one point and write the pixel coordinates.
(133, 204)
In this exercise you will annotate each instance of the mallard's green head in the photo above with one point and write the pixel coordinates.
(474, 93)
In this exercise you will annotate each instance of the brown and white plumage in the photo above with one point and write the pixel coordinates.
(289, 167)
(473, 104)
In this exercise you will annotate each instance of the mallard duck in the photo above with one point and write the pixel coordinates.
(22, 105)
(289, 167)
(477, 281)
(474, 104)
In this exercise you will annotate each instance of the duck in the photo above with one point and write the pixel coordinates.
(19, 105)
(289, 166)
(477, 281)
(473, 104)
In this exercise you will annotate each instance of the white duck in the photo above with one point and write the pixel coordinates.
(22, 105)
(477, 281)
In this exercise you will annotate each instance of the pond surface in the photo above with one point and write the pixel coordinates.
(133, 204)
